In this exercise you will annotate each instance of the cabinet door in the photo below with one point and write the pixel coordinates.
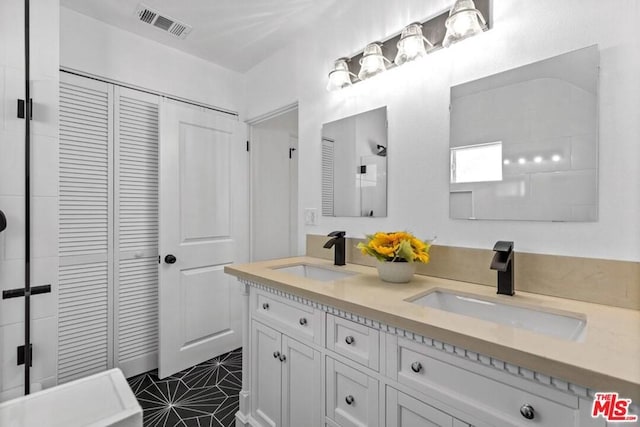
(405, 411)
(266, 375)
(301, 385)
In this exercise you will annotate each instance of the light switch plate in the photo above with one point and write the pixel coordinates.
(310, 216)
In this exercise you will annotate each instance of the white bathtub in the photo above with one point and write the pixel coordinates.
(101, 400)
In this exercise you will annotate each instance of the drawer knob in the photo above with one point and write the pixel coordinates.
(303, 321)
(416, 367)
(527, 411)
(265, 306)
(349, 340)
(349, 399)
(276, 354)
(282, 357)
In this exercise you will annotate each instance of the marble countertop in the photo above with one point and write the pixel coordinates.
(607, 359)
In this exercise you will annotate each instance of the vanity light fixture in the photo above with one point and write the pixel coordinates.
(507, 162)
(372, 61)
(340, 76)
(522, 160)
(464, 21)
(556, 158)
(412, 44)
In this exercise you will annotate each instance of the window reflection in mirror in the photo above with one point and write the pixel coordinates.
(354, 165)
(524, 142)
(476, 163)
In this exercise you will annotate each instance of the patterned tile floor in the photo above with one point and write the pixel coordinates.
(204, 395)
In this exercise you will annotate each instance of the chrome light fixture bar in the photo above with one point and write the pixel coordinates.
(464, 19)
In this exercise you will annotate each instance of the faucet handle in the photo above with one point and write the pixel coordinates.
(503, 246)
(337, 234)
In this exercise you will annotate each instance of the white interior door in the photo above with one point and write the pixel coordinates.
(203, 222)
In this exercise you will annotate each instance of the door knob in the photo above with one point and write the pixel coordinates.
(276, 354)
(303, 321)
(349, 340)
(170, 259)
(349, 399)
(416, 367)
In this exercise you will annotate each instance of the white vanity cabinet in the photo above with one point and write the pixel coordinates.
(485, 393)
(307, 364)
(286, 379)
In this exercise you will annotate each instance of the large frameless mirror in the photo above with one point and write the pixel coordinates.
(523, 143)
(354, 165)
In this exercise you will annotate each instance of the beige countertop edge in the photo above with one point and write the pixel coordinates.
(606, 361)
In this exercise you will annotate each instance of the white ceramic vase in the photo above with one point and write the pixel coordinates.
(396, 272)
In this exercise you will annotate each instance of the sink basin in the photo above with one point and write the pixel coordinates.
(568, 327)
(315, 272)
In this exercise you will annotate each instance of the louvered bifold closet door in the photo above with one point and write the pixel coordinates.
(85, 230)
(136, 231)
(327, 177)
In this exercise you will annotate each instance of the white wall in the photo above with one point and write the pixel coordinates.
(44, 191)
(417, 96)
(91, 46)
(273, 178)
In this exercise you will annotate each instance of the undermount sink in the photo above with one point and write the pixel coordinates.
(568, 327)
(315, 272)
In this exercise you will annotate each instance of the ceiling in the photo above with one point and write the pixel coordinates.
(236, 34)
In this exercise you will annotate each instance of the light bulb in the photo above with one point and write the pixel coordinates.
(411, 44)
(464, 21)
(537, 159)
(339, 77)
(372, 61)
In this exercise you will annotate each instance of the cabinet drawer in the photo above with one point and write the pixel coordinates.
(405, 411)
(486, 396)
(352, 396)
(357, 342)
(293, 318)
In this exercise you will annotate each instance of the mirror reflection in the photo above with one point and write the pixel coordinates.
(354, 165)
(523, 143)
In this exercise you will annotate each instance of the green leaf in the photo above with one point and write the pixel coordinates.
(405, 251)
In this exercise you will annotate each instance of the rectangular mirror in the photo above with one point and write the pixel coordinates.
(523, 143)
(354, 165)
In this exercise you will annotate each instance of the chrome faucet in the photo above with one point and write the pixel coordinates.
(503, 262)
(340, 243)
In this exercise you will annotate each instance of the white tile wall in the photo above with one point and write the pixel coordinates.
(44, 271)
(12, 239)
(11, 25)
(44, 189)
(44, 340)
(13, 89)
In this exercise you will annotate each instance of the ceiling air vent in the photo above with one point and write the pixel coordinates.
(165, 23)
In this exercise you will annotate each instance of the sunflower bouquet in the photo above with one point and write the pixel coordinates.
(398, 246)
